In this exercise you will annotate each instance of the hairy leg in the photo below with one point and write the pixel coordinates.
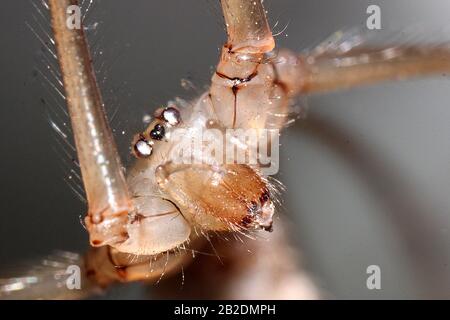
(107, 192)
(268, 268)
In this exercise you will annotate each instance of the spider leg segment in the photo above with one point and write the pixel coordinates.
(336, 70)
(107, 265)
(107, 192)
(248, 89)
(247, 27)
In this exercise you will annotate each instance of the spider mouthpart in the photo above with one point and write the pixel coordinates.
(158, 132)
(171, 116)
(143, 149)
(259, 215)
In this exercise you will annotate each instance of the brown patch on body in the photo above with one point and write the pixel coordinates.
(96, 242)
(219, 198)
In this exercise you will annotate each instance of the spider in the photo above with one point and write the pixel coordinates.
(160, 207)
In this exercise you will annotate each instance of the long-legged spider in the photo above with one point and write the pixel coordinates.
(160, 206)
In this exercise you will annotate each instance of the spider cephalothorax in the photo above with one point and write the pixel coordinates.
(203, 191)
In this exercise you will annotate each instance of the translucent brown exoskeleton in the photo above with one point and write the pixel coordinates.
(162, 206)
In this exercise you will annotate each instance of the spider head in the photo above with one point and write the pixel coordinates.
(173, 198)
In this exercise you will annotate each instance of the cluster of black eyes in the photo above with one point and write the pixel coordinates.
(158, 132)
(142, 147)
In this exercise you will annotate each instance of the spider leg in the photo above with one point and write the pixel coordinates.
(331, 71)
(269, 268)
(245, 91)
(247, 27)
(107, 192)
(107, 265)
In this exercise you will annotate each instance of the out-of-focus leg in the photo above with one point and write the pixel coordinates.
(332, 71)
(251, 269)
(105, 266)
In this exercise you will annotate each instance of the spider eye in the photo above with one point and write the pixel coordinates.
(143, 149)
(158, 132)
(171, 116)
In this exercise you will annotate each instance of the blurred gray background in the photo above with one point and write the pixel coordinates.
(367, 173)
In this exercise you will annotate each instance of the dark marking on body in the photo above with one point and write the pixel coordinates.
(137, 218)
(237, 79)
(235, 88)
(265, 196)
